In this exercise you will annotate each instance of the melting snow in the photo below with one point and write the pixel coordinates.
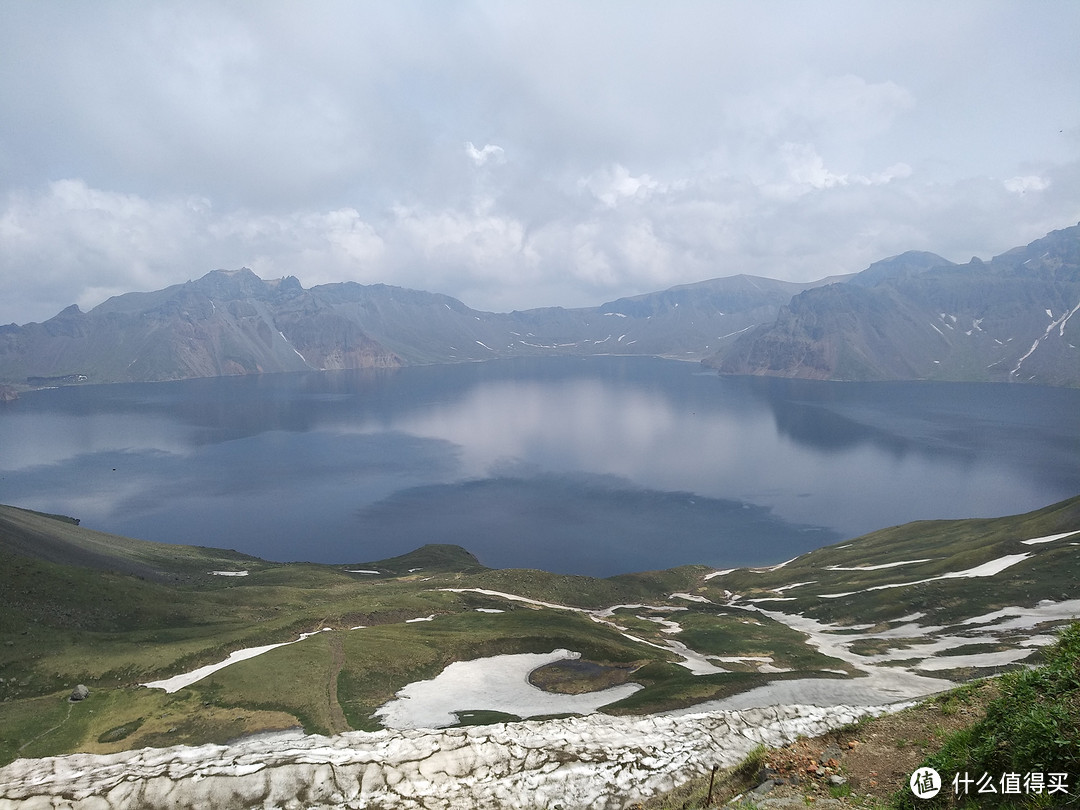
(498, 683)
(783, 588)
(875, 567)
(178, 682)
(720, 573)
(690, 597)
(1026, 618)
(987, 569)
(1048, 539)
(598, 762)
(990, 659)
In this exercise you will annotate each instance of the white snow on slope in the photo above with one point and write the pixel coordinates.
(1059, 323)
(1026, 618)
(1050, 538)
(596, 762)
(875, 567)
(178, 682)
(497, 683)
(987, 569)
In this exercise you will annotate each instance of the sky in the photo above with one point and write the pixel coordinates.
(523, 154)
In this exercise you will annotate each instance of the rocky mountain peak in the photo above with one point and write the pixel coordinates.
(910, 263)
(231, 285)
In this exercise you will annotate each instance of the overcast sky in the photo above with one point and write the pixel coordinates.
(522, 154)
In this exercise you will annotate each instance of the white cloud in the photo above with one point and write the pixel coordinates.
(614, 184)
(1021, 185)
(481, 156)
(147, 144)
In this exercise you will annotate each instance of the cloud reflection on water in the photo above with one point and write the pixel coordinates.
(282, 465)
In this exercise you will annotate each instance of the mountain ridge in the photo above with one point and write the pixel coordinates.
(233, 322)
(911, 316)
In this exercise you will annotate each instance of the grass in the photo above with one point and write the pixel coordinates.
(157, 612)
(946, 545)
(1032, 726)
(715, 631)
(576, 677)
(715, 789)
(484, 717)
(291, 679)
(118, 719)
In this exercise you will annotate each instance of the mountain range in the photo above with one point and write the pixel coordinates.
(919, 316)
(912, 316)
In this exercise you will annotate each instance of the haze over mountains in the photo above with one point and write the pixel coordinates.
(912, 316)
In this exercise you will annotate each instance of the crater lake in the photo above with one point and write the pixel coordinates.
(596, 466)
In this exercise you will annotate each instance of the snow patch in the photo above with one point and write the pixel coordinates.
(875, 567)
(987, 569)
(598, 762)
(498, 683)
(1050, 538)
(178, 682)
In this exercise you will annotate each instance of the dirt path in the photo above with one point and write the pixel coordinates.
(338, 723)
(49, 731)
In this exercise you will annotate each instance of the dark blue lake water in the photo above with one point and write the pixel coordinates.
(593, 466)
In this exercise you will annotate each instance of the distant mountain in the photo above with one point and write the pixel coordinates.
(918, 316)
(233, 322)
(913, 316)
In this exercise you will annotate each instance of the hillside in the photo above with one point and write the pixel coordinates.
(917, 316)
(894, 615)
(233, 322)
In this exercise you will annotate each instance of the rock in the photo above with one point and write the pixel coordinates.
(830, 755)
(80, 692)
(837, 780)
(765, 787)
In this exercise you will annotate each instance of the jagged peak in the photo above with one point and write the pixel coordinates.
(288, 284)
(231, 284)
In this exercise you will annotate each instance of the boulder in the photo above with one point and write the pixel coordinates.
(80, 692)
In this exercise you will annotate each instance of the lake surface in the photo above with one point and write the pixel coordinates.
(580, 465)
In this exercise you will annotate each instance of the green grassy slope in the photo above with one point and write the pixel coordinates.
(78, 606)
(921, 551)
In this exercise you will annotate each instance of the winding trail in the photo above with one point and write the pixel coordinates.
(67, 716)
